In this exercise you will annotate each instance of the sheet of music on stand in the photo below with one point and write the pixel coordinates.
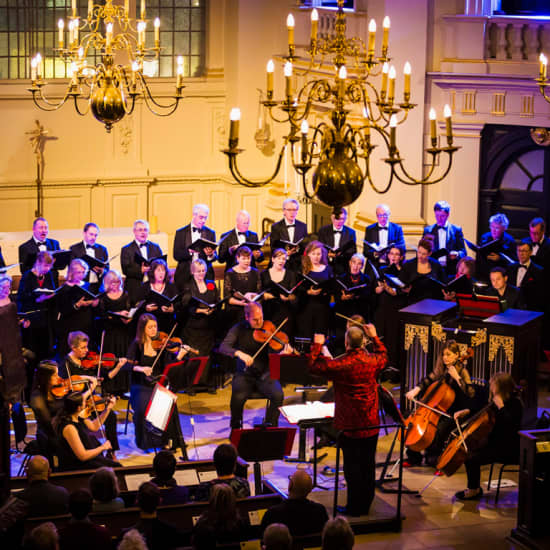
(160, 407)
(307, 411)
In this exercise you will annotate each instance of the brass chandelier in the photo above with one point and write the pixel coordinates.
(109, 89)
(543, 80)
(338, 145)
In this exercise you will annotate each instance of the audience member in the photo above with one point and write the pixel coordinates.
(301, 515)
(132, 540)
(44, 498)
(164, 466)
(277, 537)
(105, 491)
(42, 537)
(80, 533)
(337, 535)
(13, 511)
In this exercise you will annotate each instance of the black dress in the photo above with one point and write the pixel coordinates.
(165, 320)
(243, 283)
(276, 310)
(12, 366)
(422, 286)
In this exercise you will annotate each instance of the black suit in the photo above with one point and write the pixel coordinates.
(532, 288)
(340, 263)
(454, 241)
(132, 269)
(395, 236)
(542, 257)
(182, 242)
(511, 299)
(279, 232)
(301, 515)
(229, 239)
(507, 246)
(45, 499)
(78, 250)
(28, 252)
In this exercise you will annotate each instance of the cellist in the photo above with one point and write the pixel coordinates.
(450, 369)
(503, 441)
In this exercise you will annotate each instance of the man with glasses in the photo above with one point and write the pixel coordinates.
(288, 231)
(383, 234)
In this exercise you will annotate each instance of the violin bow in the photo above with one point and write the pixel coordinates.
(163, 347)
(100, 354)
(269, 339)
(355, 323)
(462, 438)
(101, 427)
(420, 404)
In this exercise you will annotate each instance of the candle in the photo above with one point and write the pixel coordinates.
(76, 28)
(314, 24)
(543, 66)
(342, 75)
(304, 129)
(391, 92)
(290, 27)
(90, 7)
(38, 66)
(143, 9)
(448, 124)
(73, 5)
(270, 68)
(367, 122)
(109, 36)
(127, 7)
(407, 75)
(179, 82)
(157, 32)
(385, 35)
(372, 37)
(142, 25)
(433, 129)
(33, 69)
(61, 27)
(384, 87)
(393, 125)
(288, 80)
(234, 117)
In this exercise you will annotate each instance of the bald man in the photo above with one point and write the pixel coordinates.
(301, 515)
(277, 537)
(44, 498)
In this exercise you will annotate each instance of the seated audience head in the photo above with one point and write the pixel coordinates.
(442, 209)
(242, 221)
(141, 231)
(164, 465)
(290, 210)
(200, 215)
(337, 535)
(499, 279)
(148, 497)
(5, 286)
(537, 228)
(383, 214)
(38, 468)
(254, 314)
(466, 266)
(355, 338)
(199, 269)
(112, 282)
(225, 459)
(80, 504)
(222, 507)
(158, 272)
(43, 263)
(42, 537)
(90, 233)
(299, 484)
(40, 229)
(104, 485)
(339, 217)
(424, 249)
(502, 384)
(277, 537)
(132, 540)
(356, 263)
(498, 224)
(77, 271)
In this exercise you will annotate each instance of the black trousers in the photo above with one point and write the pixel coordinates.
(244, 385)
(110, 429)
(359, 472)
(487, 455)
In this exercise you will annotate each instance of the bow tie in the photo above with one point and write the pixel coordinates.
(196, 230)
(291, 225)
(522, 266)
(380, 228)
(144, 245)
(440, 227)
(41, 243)
(241, 233)
(89, 247)
(339, 231)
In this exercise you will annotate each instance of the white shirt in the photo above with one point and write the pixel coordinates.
(240, 238)
(41, 247)
(337, 237)
(91, 252)
(290, 231)
(521, 273)
(383, 236)
(442, 239)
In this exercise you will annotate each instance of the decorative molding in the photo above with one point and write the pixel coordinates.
(438, 333)
(497, 341)
(527, 106)
(412, 331)
(126, 133)
(469, 102)
(498, 104)
(480, 337)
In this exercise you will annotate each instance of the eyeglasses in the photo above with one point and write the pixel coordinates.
(291, 209)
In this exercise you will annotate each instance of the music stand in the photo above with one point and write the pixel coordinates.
(260, 444)
(192, 372)
(293, 369)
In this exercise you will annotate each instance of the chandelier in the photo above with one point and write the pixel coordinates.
(543, 78)
(109, 89)
(340, 146)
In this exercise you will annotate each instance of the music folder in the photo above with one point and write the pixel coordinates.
(201, 304)
(159, 299)
(284, 244)
(200, 244)
(147, 261)
(61, 258)
(351, 289)
(379, 247)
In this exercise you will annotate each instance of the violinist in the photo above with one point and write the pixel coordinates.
(78, 449)
(252, 374)
(449, 369)
(150, 364)
(503, 441)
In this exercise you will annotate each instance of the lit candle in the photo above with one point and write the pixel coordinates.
(393, 125)
(61, 27)
(76, 29)
(288, 80)
(314, 24)
(33, 69)
(80, 55)
(143, 9)
(391, 92)
(234, 117)
(142, 25)
(385, 35)
(543, 66)
(372, 37)
(367, 122)
(90, 7)
(135, 68)
(290, 27)
(407, 75)
(448, 124)
(342, 75)
(74, 73)
(384, 87)
(270, 69)
(73, 5)
(127, 7)
(433, 128)
(304, 129)
(179, 82)
(157, 32)
(38, 66)
(109, 36)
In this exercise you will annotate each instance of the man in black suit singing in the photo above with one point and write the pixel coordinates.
(133, 270)
(231, 240)
(540, 244)
(37, 243)
(446, 236)
(528, 277)
(185, 237)
(383, 233)
(498, 224)
(291, 230)
(339, 236)
(88, 248)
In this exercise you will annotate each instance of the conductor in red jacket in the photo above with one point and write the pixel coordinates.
(356, 406)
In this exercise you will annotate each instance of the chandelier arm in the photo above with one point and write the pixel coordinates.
(148, 97)
(245, 181)
(77, 108)
(49, 106)
(543, 92)
(425, 180)
(368, 177)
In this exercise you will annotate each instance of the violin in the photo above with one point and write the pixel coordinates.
(170, 343)
(63, 386)
(95, 403)
(108, 360)
(268, 333)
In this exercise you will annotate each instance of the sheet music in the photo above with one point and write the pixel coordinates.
(308, 411)
(133, 481)
(186, 477)
(159, 411)
(208, 475)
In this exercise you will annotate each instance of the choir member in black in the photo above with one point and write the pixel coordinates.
(277, 304)
(133, 270)
(78, 449)
(72, 365)
(74, 312)
(417, 273)
(498, 224)
(449, 368)
(200, 329)
(116, 328)
(252, 374)
(141, 350)
(231, 240)
(39, 242)
(503, 442)
(508, 295)
(446, 235)
(390, 301)
(88, 247)
(241, 278)
(39, 336)
(338, 235)
(185, 237)
(528, 277)
(313, 316)
(158, 281)
(291, 230)
(466, 266)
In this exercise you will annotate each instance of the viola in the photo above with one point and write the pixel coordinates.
(172, 344)
(63, 386)
(268, 333)
(95, 403)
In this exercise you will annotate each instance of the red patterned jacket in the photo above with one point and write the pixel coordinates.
(355, 387)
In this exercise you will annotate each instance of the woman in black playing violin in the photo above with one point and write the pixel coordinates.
(503, 441)
(449, 369)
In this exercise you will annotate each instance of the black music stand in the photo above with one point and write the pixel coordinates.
(182, 374)
(260, 444)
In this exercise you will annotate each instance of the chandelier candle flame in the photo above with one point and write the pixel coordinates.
(543, 78)
(108, 90)
(339, 76)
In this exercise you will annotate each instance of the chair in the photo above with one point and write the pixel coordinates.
(128, 410)
(503, 468)
(257, 395)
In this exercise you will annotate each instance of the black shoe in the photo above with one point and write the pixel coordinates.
(461, 495)
(212, 391)
(345, 512)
